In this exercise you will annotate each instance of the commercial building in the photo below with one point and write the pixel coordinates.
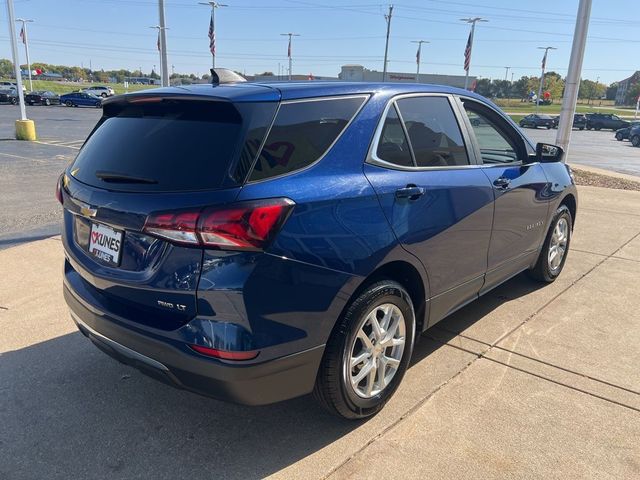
(357, 73)
(624, 86)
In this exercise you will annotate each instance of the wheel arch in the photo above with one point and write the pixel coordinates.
(569, 200)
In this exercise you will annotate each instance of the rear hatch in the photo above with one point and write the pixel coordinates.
(157, 156)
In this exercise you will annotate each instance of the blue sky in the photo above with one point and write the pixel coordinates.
(115, 33)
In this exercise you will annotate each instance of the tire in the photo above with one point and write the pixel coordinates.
(548, 127)
(597, 127)
(69, 103)
(635, 141)
(14, 101)
(47, 102)
(103, 95)
(334, 389)
(98, 105)
(581, 128)
(547, 269)
(619, 137)
(522, 125)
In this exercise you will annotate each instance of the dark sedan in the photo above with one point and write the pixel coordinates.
(579, 121)
(625, 133)
(534, 121)
(43, 97)
(9, 96)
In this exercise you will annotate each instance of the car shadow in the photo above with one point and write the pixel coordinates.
(69, 411)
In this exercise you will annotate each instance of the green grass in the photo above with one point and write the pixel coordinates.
(515, 106)
(66, 87)
(516, 118)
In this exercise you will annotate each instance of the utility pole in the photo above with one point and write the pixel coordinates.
(164, 70)
(418, 54)
(544, 64)
(212, 29)
(387, 17)
(469, 47)
(25, 40)
(572, 82)
(289, 48)
(506, 73)
(164, 62)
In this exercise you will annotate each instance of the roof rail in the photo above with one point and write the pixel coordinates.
(224, 75)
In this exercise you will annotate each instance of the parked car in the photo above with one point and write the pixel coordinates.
(634, 136)
(76, 99)
(598, 121)
(42, 97)
(103, 92)
(8, 85)
(579, 121)
(535, 120)
(9, 96)
(623, 133)
(251, 242)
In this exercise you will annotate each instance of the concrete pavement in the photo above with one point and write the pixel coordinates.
(529, 381)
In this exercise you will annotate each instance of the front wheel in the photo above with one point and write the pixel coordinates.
(68, 103)
(635, 141)
(47, 102)
(619, 137)
(368, 352)
(556, 246)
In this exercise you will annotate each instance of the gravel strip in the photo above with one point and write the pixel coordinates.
(596, 180)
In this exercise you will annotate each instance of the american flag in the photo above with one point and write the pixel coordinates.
(544, 60)
(289, 48)
(418, 55)
(22, 36)
(158, 42)
(467, 54)
(212, 37)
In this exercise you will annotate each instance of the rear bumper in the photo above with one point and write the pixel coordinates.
(175, 364)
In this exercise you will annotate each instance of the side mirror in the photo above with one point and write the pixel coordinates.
(547, 153)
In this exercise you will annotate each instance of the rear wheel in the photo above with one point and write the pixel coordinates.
(597, 127)
(69, 103)
(103, 95)
(619, 137)
(556, 246)
(368, 352)
(14, 101)
(47, 102)
(635, 140)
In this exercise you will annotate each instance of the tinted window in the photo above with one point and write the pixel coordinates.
(495, 145)
(301, 133)
(175, 146)
(433, 131)
(393, 146)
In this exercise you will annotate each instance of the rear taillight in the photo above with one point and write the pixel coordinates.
(241, 226)
(59, 189)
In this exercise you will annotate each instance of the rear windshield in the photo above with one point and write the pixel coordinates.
(173, 145)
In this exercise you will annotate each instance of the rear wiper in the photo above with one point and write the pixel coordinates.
(123, 178)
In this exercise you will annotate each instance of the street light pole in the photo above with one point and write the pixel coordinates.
(25, 40)
(572, 82)
(506, 73)
(290, 35)
(387, 17)
(544, 64)
(469, 48)
(418, 55)
(164, 62)
(212, 29)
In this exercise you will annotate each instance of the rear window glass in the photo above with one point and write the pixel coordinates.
(173, 145)
(302, 132)
(393, 146)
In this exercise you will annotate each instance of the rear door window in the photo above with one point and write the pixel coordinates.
(393, 146)
(434, 134)
(302, 133)
(173, 145)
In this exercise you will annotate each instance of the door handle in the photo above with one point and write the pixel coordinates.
(412, 192)
(502, 183)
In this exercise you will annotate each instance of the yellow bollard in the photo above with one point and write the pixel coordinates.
(25, 130)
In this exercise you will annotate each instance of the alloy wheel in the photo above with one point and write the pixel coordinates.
(376, 351)
(558, 244)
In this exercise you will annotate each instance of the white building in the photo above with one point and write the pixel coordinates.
(357, 73)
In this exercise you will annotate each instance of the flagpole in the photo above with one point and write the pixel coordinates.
(473, 22)
(212, 29)
(289, 49)
(544, 64)
(25, 40)
(418, 57)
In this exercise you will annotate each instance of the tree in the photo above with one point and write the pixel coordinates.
(612, 90)
(483, 87)
(633, 92)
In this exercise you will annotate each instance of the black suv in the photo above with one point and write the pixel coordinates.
(598, 121)
(579, 121)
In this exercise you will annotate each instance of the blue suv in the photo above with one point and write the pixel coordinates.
(258, 242)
